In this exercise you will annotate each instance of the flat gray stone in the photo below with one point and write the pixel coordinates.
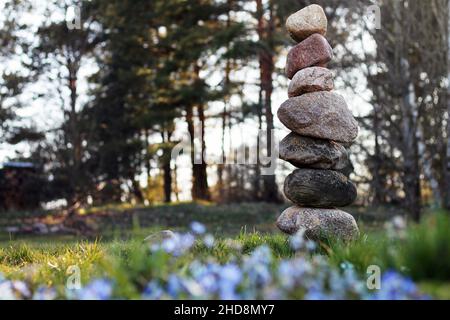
(307, 152)
(319, 188)
(311, 80)
(319, 224)
(322, 115)
(307, 21)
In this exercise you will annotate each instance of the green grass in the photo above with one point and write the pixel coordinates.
(123, 222)
(437, 289)
(423, 252)
(120, 221)
(371, 249)
(48, 264)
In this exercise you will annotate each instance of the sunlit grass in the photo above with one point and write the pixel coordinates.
(421, 252)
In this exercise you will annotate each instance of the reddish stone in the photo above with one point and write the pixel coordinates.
(313, 51)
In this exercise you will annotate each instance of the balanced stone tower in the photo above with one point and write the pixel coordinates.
(322, 126)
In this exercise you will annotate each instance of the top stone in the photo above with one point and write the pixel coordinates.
(307, 21)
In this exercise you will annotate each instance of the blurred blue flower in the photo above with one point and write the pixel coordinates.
(297, 241)
(316, 293)
(208, 241)
(174, 286)
(231, 273)
(176, 245)
(12, 290)
(310, 245)
(99, 289)
(6, 291)
(262, 255)
(153, 291)
(290, 272)
(21, 289)
(198, 228)
(45, 293)
(395, 286)
(346, 265)
(230, 277)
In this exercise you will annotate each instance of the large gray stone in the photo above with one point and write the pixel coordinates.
(311, 80)
(319, 224)
(306, 152)
(323, 115)
(319, 188)
(307, 21)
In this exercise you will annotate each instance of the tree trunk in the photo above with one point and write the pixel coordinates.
(167, 172)
(447, 160)
(220, 166)
(200, 189)
(409, 119)
(378, 188)
(148, 164)
(167, 180)
(137, 190)
(191, 130)
(201, 171)
(411, 175)
(267, 66)
(427, 162)
(74, 135)
(175, 183)
(257, 177)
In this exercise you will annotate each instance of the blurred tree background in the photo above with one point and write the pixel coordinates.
(118, 91)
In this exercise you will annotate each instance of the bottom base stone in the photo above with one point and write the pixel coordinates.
(319, 224)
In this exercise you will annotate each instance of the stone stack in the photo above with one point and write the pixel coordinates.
(322, 126)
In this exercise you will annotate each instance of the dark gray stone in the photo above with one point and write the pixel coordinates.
(319, 188)
(306, 152)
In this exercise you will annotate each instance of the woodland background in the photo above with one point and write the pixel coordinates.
(99, 109)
